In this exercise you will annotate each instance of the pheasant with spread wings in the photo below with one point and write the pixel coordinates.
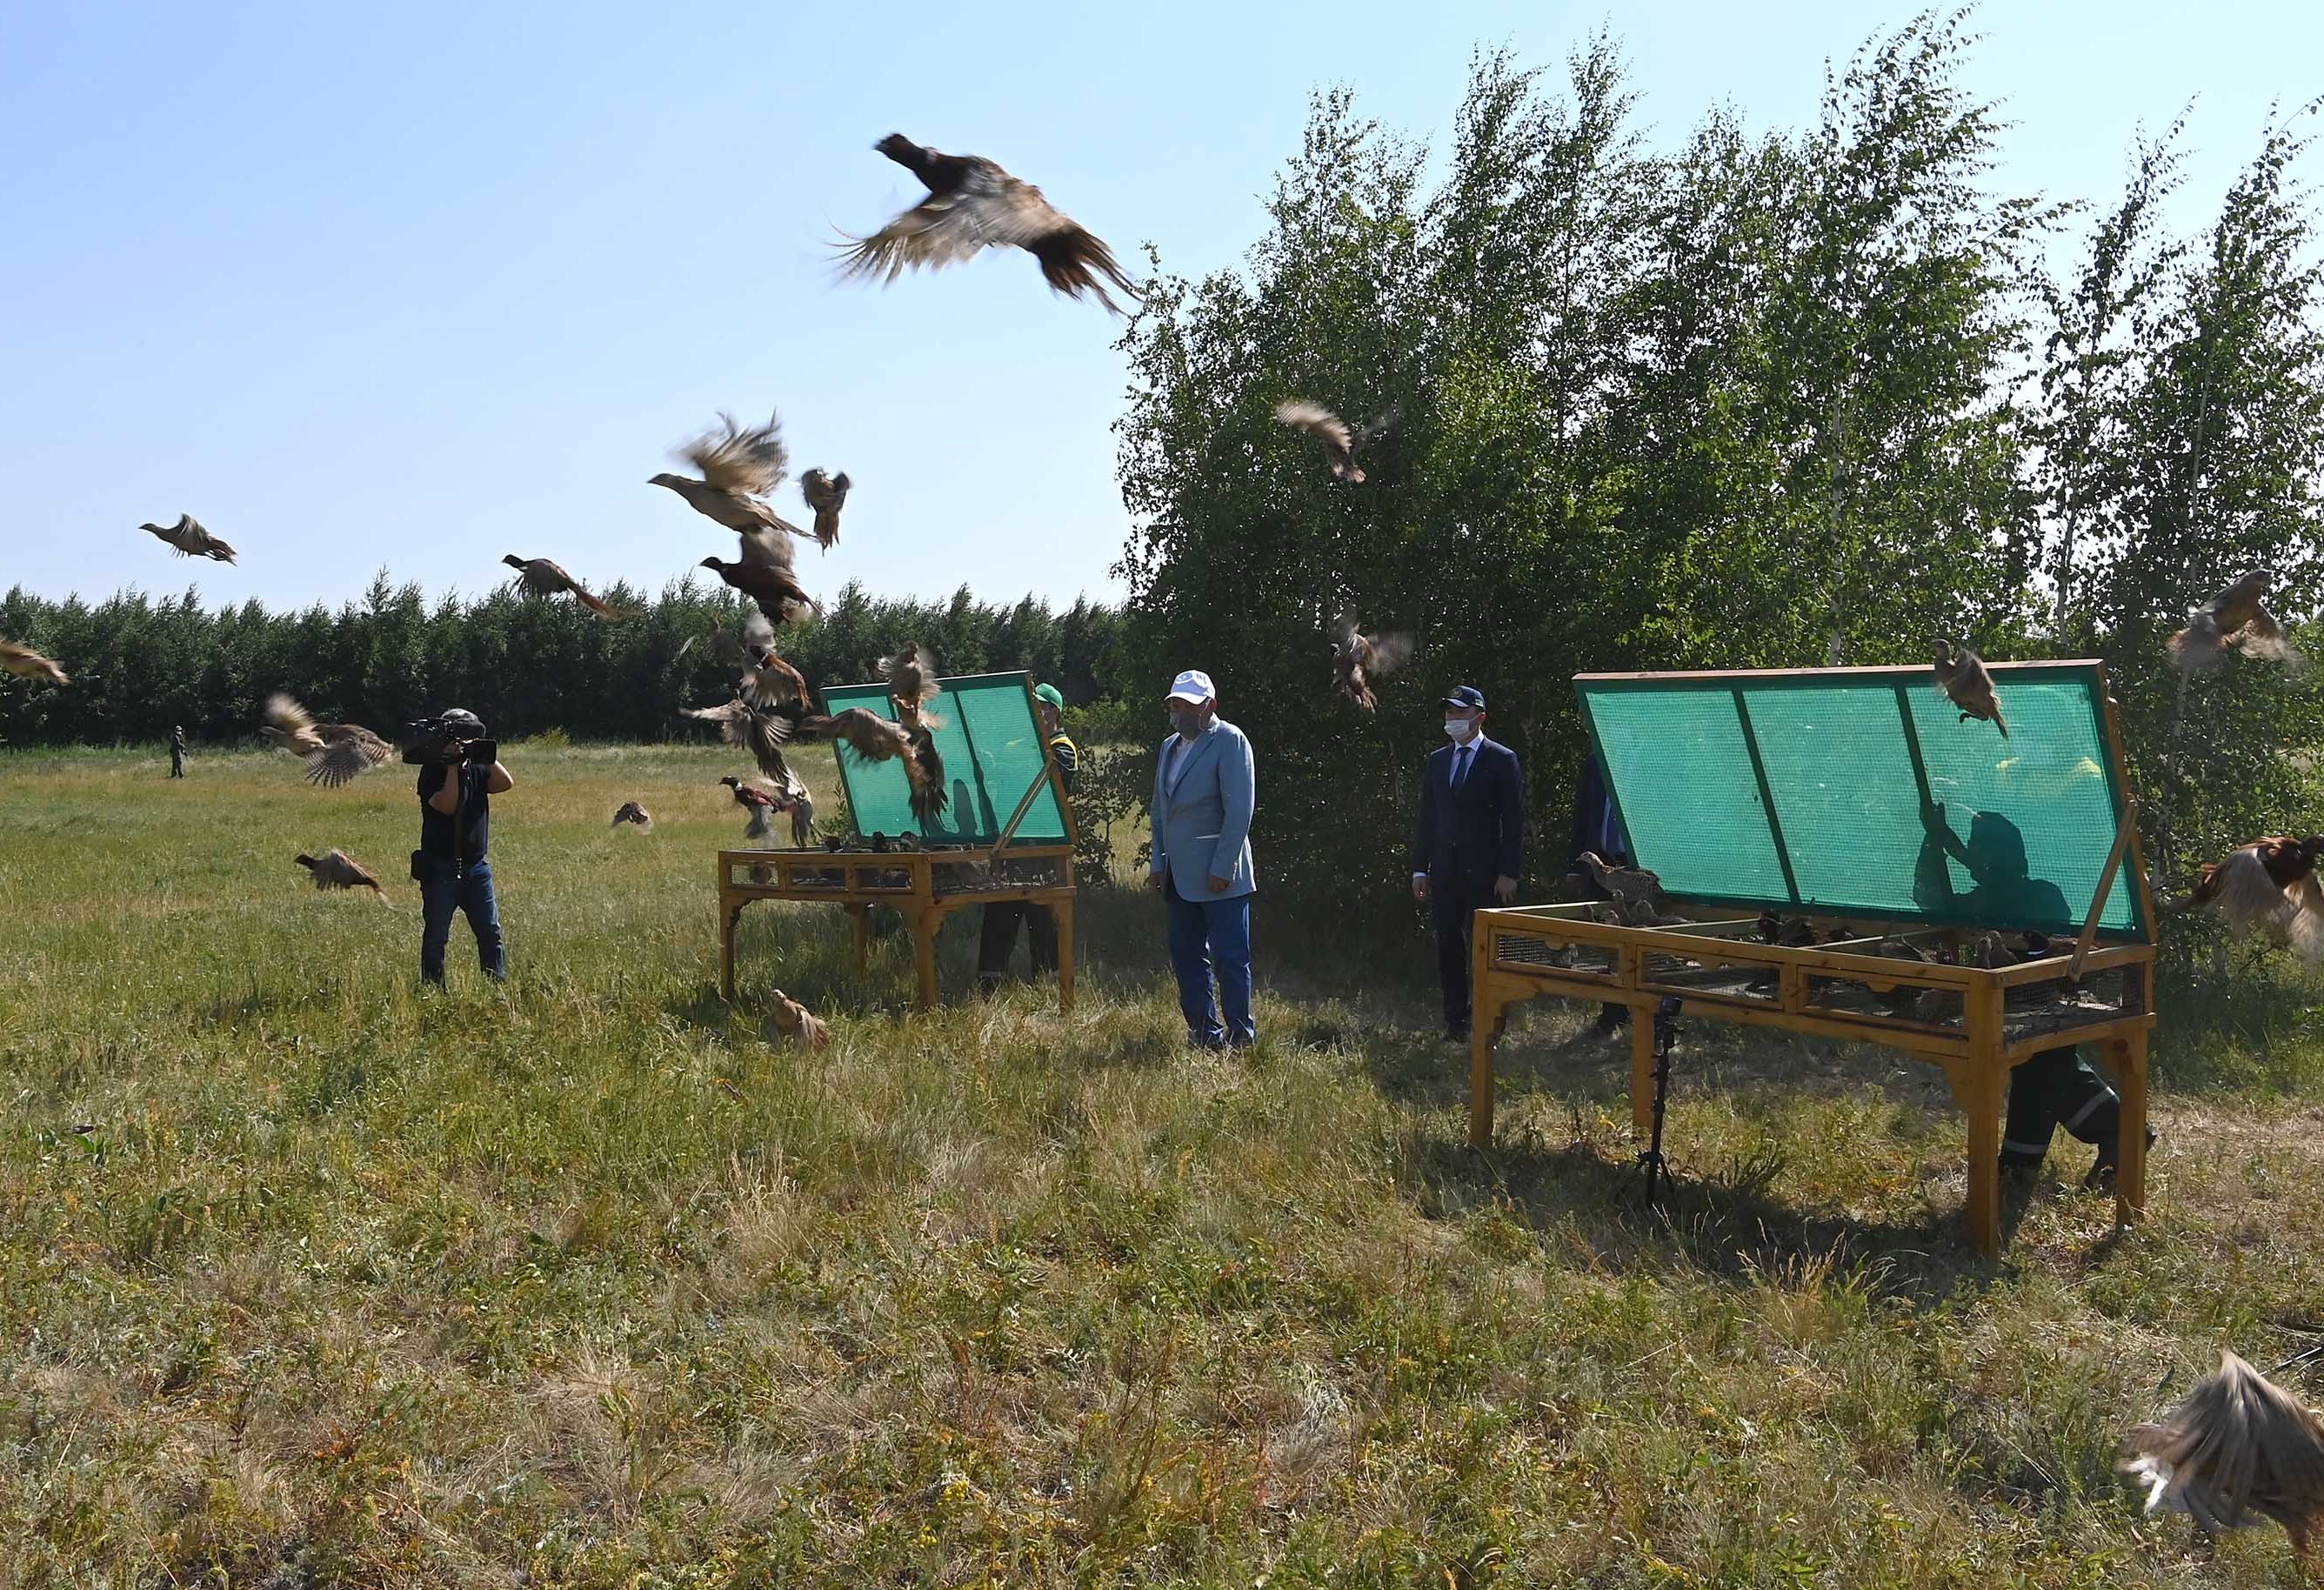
(973, 204)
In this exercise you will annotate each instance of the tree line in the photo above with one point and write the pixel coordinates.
(1813, 397)
(141, 664)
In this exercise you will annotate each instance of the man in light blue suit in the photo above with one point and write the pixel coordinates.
(1205, 786)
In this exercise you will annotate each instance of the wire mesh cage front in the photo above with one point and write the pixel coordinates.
(1861, 793)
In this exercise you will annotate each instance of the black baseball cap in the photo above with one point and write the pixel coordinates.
(1466, 696)
(461, 721)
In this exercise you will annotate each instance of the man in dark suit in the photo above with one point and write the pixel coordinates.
(1470, 843)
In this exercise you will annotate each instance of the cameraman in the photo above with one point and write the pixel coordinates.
(459, 773)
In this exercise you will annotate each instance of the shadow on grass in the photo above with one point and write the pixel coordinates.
(1726, 1223)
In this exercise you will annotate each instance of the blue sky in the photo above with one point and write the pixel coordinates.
(419, 285)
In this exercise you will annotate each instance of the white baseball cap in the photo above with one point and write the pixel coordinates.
(1193, 685)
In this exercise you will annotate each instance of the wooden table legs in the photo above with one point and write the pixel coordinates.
(2126, 1057)
(1978, 1088)
(1642, 1071)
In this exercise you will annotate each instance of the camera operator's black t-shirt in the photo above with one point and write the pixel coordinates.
(436, 836)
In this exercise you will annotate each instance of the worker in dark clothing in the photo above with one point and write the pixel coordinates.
(177, 750)
(1596, 828)
(2056, 1087)
(997, 935)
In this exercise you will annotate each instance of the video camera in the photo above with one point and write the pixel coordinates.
(431, 742)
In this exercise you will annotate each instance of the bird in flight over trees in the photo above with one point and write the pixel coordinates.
(825, 494)
(1357, 659)
(973, 204)
(2235, 617)
(1341, 446)
(541, 578)
(191, 541)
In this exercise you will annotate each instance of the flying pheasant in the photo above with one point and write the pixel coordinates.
(912, 676)
(2238, 1446)
(336, 869)
(1357, 659)
(336, 753)
(761, 734)
(631, 815)
(925, 772)
(540, 578)
(973, 204)
(1961, 675)
(766, 575)
(191, 540)
(875, 739)
(1340, 445)
(2268, 886)
(740, 466)
(2235, 616)
(27, 664)
(825, 494)
(763, 799)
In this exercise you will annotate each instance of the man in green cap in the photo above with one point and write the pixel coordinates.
(997, 941)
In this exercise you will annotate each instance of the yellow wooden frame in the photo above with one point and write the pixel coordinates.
(1976, 1055)
(911, 881)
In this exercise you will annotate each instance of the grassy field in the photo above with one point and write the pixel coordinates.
(310, 1277)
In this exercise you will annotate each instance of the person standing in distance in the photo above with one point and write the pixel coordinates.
(997, 934)
(1204, 789)
(455, 820)
(1470, 846)
(177, 750)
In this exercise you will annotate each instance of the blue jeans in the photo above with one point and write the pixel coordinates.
(1208, 935)
(448, 888)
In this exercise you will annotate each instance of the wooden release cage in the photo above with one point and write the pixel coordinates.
(1910, 864)
(1005, 833)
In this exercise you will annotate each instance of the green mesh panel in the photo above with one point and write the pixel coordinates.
(1815, 791)
(992, 749)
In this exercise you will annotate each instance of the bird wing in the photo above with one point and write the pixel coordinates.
(866, 732)
(776, 684)
(1376, 429)
(822, 493)
(761, 734)
(348, 752)
(1389, 653)
(765, 547)
(989, 208)
(745, 461)
(351, 873)
(2234, 605)
(1317, 420)
(289, 726)
(27, 664)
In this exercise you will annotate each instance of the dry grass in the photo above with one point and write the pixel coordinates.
(576, 1283)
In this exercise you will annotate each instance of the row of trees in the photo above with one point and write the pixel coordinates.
(1802, 399)
(141, 665)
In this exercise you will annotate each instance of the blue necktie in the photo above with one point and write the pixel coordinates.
(1460, 766)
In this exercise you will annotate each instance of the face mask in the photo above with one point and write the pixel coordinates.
(1459, 728)
(1187, 721)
